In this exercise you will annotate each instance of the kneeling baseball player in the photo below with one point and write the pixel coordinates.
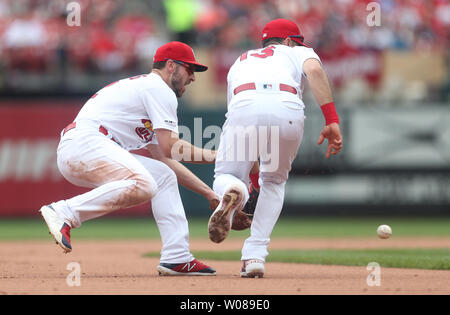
(127, 115)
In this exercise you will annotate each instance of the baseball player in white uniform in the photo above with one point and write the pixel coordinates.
(265, 121)
(126, 115)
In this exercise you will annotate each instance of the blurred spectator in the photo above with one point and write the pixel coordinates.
(24, 32)
(146, 47)
(23, 42)
(117, 38)
(180, 18)
(338, 30)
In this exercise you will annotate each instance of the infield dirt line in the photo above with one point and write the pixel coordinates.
(118, 267)
(148, 245)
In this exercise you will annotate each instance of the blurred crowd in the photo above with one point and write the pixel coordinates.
(121, 36)
(36, 36)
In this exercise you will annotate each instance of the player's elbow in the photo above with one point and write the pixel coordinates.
(166, 140)
(156, 152)
(313, 68)
(315, 72)
(164, 152)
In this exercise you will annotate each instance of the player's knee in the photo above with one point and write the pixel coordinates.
(145, 188)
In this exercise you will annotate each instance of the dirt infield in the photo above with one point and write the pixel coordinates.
(117, 267)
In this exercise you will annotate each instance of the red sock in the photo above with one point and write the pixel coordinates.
(254, 178)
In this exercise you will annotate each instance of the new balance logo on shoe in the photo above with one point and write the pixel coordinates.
(192, 268)
(188, 265)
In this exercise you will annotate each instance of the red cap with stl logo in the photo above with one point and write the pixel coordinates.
(282, 28)
(178, 51)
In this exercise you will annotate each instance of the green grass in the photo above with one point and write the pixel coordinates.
(125, 228)
(145, 228)
(103, 228)
(438, 259)
(360, 227)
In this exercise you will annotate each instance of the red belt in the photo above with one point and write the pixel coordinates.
(252, 86)
(101, 129)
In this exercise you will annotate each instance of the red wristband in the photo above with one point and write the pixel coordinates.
(329, 112)
(254, 178)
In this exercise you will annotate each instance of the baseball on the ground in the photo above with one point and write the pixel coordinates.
(384, 231)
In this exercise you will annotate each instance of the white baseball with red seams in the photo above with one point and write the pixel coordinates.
(384, 231)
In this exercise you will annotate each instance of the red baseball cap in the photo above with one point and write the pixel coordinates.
(282, 28)
(178, 51)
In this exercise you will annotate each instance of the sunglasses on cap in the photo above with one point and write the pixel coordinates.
(189, 68)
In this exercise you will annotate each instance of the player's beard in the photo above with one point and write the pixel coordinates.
(177, 83)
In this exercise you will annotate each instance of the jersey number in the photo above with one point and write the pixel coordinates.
(266, 52)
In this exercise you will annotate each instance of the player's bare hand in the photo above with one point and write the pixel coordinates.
(332, 133)
(213, 203)
(213, 200)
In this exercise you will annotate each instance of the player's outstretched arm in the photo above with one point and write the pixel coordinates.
(184, 176)
(173, 147)
(320, 86)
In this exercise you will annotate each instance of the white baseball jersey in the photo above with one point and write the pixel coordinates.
(268, 103)
(270, 66)
(131, 109)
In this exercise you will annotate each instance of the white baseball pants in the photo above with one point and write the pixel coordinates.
(273, 130)
(119, 180)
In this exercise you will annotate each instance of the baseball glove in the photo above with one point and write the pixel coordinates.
(242, 219)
